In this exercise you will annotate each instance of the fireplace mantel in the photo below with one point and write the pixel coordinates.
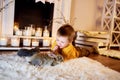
(7, 15)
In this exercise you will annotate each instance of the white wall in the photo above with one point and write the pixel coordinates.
(85, 12)
(62, 8)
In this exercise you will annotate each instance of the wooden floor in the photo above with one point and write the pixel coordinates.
(112, 63)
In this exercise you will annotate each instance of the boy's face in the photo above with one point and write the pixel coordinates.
(62, 41)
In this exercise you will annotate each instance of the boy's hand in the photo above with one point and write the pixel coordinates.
(55, 48)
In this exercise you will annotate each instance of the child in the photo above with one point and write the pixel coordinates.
(63, 43)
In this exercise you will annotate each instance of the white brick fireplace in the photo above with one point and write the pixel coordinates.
(7, 15)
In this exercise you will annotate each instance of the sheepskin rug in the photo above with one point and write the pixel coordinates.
(12, 67)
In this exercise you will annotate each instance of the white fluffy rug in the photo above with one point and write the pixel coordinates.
(13, 67)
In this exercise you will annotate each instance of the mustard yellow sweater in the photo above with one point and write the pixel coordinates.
(68, 52)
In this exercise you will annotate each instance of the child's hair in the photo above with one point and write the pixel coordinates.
(67, 31)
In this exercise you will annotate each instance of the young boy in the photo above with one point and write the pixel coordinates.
(63, 43)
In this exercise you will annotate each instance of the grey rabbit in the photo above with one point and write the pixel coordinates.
(36, 57)
(43, 59)
(28, 52)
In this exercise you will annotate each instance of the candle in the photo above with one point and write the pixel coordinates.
(46, 32)
(33, 32)
(24, 32)
(28, 32)
(26, 42)
(38, 32)
(16, 28)
(18, 32)
(46, 42)
(15, 41)
(3, 41)
(35, 42)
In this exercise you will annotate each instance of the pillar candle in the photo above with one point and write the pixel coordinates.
(15, 41)
(26, 42)
(46, 42)
(35, 42)
(3, 41)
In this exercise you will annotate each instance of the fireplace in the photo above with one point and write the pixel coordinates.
(7, 19)
(30, 13)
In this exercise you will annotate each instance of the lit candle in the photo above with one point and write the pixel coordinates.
(15, 41)
(46, 42)
(26, 42)
(35, 42)
(16, 28)
(3, 41)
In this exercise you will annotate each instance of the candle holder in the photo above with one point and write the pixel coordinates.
(38, 32)
(18, 32)
(45, 32)
(27, 32)
(46, 42)
(35, 42)
(3, 41)
(26, 42)
(15, 28)
(15, 41)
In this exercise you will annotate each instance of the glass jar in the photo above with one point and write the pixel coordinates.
(15, 41)
(27, 31)
(26, 42)
(46, 42)
(18, 32)
(45, 32)
(35, 42)
(3, 41)
(38, 32)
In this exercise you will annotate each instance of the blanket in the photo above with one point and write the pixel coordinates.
(13, 67)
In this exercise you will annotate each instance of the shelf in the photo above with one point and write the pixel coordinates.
(32, 37)
(24, 41)
(17, 48)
